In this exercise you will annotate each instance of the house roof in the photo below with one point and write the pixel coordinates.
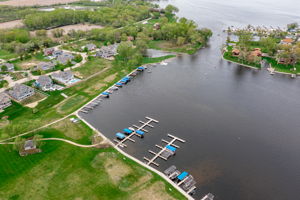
(65, 75)
(65, 57)
(44, 80)
(29, 144)
(45, 65)
(4, 98)
(19, 90)
(287, 40)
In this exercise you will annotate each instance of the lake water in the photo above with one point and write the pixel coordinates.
(242, 126)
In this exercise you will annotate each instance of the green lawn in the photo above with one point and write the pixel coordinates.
(64, 171)
(283, 68)
(6, 54)
(72, 103)
(93, 66)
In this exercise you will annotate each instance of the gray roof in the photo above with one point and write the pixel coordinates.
(65, 75)
(44, 80)
(57, 52)
(29, 144)
(4, 98)
(19, 90)
(91, 46)
(9, 66)
(107, 51)
(45, 65)
(65, 58)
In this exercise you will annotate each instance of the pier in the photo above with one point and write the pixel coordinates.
(137, 130)
(166, 151)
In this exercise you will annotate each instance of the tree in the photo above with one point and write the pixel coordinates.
(57, 33)
(292, 26)
(180, 41)
(269, 44)
(41, 33)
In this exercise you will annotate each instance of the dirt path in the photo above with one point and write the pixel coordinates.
(11, 24)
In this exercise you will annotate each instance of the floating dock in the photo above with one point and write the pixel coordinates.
(209, 196)
(165, 152)
(137, 130)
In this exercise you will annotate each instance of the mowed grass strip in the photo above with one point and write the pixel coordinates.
(67, 172)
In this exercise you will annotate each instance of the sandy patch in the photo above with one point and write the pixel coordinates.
(29, 65)
(11, 24)
(155, 191)
(34, 2)
(110, 78)
(68, 28)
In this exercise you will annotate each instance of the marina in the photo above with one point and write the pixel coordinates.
(166, 152)
(136, 131)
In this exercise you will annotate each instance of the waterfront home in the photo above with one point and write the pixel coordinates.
(287, 41)
(20, 92)
(256, 52)
(45, 66)
(107, 52)
(65, 58)
(65, 77)
(45, 83)
(48, 51)
(235, 52)
(9, 67)
(29, 147)
(4, 101)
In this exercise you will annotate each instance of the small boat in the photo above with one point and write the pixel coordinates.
(120, 136)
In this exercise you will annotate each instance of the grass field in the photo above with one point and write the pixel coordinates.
(91, 67)
(64, 171)
(7, 55)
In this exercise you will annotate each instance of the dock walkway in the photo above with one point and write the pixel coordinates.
(162, 153)
(136, 130)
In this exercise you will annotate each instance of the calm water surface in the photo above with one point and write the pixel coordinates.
(242, 126)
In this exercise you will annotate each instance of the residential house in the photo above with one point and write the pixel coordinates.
(7, 67)
(20, 92)
(29, 147)
(256, 52)
(4, 101)
(45, 66)
(64, 77)
(48, 51)
(45, 83)
(235, 52)
(65, 58)
(57, 53)
(90, 47)
(287, 41)
(107, 51)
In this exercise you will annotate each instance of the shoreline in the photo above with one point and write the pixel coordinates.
(244, 65)
(126, 154)
(136, 160)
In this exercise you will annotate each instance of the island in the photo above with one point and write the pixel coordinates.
(279, 48)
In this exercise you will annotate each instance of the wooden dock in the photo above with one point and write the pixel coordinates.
(163, 149)
(141, 128)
